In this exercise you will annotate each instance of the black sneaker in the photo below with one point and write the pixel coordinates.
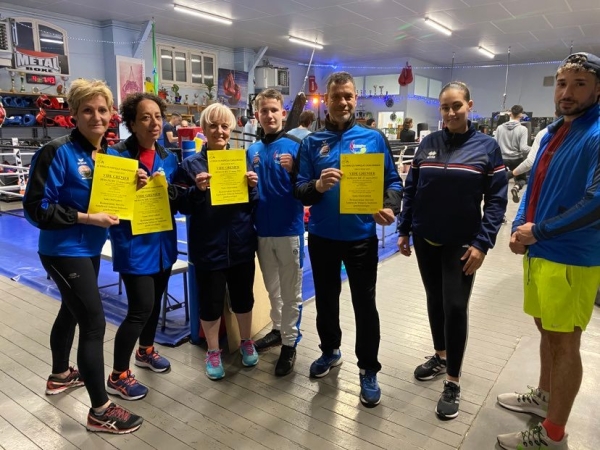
(116, 420)
(271, 339)
(431, 369)
(515, 194)
(447, 407)
(286, 361)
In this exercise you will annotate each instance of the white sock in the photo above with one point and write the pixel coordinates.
(336, 351)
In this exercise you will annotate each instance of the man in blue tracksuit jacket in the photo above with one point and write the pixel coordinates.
(349, 238)
(558, 228)
(279, 221)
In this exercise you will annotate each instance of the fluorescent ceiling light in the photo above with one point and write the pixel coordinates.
(307, 43)
(51, 41)
(438, 27)
(202, 14)
(486, 52)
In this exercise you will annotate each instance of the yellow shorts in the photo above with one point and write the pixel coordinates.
(562, 296)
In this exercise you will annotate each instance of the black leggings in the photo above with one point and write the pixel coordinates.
(360, 258)
(144, 295)
(212, 284)
(77, 281)
(448, 291)
(512, 164)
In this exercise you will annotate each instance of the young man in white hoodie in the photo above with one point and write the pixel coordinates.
(512, 139)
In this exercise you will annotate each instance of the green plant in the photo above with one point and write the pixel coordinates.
(175, 89)
(209, 90)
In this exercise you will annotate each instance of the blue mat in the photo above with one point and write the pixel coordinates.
(19, 261)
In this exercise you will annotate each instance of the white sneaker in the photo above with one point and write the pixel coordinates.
(533, 402)
(533, 439)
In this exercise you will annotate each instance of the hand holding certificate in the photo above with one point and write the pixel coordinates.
(361, 187)
(114, 186)
(152, 212)
(228, 180)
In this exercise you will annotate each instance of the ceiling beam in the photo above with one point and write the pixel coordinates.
(141, 40)
(261, 52)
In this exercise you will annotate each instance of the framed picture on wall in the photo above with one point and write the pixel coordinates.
(233, 88)
(130, 76)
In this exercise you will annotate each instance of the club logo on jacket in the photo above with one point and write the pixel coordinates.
(84, 170)
(358, 149)
(276, 158)
(432, 154)
(324, 149)
(256, 160)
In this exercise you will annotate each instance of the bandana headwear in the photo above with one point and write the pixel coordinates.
(587, 61)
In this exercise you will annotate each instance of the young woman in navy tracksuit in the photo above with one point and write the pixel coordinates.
(144, 261)
(453, 171)
(221, 242)
(56, 201)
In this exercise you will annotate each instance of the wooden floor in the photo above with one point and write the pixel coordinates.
(251, 408)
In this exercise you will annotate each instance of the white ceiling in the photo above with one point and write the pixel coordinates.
(360, 31)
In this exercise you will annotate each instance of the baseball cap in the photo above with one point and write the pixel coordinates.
(585, 60)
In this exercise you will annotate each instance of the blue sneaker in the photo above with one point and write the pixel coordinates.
(214, 365)
(126, 386)
(150, 359)
(370, 392)
(323, 365)
(249, 353)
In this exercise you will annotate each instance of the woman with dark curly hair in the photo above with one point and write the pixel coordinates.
(144, 261)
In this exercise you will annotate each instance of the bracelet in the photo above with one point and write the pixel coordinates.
(87, 219)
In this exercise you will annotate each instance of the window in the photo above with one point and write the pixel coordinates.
(39, 36)
(186, 66)
(427, 87)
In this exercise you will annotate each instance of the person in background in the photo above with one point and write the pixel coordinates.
(526, 165)
(306, 120)
(442, 211)
(184, 124)
(407, 134)
(371, 122)
(279, 224)
(335, 238)
(556, 228)
(483, 129)
(512, 139)
(169, 133)
(70, 242)
(221, 242)
(144, 261)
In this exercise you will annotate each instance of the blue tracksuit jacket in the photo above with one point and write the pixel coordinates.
(144, 254)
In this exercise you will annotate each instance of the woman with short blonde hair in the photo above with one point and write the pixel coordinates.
(71, 239)
(222, 242)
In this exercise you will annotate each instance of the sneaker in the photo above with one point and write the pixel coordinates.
(271, 339)
(285, 363)
(533, 402)
(447, 406)
(249, 354)
(115, 420)
(535, 438)
(214, 365)
(515, 194)
(432, 368)
(323, 365)
(370, 392)
(56, 385)
(150, 359)
(126, 386)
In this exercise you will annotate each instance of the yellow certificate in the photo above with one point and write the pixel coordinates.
(152, 212)
(114, 186)
(228, 184)
(361, 186)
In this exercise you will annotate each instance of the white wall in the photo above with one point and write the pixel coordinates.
(524, 88)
